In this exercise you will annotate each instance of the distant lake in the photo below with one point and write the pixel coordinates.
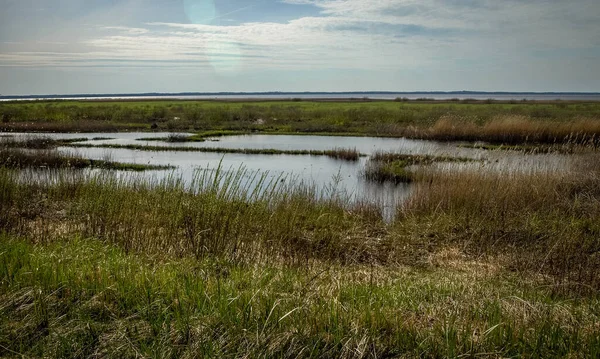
(517, 96)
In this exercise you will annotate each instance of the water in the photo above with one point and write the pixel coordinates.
(328, 176)
(502, 96)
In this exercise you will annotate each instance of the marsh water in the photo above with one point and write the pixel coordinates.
(327, 176)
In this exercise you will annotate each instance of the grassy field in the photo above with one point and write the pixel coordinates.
(511, 123)
(474, 264)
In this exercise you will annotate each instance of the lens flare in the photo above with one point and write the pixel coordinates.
(225, 57)
(201, 12)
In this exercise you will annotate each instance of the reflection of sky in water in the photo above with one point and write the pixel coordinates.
(327, 176)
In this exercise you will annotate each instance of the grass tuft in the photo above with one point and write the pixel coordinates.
(19, 159)
(338, 153)
(394, 167)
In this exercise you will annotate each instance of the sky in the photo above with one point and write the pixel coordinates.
(135, 46)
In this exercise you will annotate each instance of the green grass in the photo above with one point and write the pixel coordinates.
(393, 167)
(120, 166)
(80, 298)
(37, 142)
(199, 137)
(512, 123)
(338, 153)
(528, 149)
(474, 264)
(18, 158)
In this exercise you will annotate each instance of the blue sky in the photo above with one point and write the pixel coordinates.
(119, 46)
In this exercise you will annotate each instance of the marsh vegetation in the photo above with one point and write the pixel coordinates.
(510, 123)
(40, 152)
(237, 262)
(348, 154)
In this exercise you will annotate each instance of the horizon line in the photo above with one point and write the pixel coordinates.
(220, 93)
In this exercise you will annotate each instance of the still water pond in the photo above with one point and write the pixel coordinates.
(326, 175)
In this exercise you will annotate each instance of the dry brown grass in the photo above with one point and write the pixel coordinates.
(516, 130)
(536, 222)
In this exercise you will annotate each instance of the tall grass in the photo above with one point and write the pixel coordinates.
(237, 215)
(239, 263)
(395, 167)
(533, 222)
(516, 130)
(83, 298)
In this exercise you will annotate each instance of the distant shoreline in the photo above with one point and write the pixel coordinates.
(322, 96)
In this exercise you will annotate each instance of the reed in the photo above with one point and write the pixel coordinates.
(395, 167)
(514, 130)
(238, 215)
(241, 263)
(338, 153)
(393, 171)
(20, 158)
(540, 222)
(88, 298)
(36, 142)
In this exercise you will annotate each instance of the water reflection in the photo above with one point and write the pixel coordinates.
(328, 177)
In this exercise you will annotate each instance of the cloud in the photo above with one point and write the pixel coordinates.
(346, 34)
(127, 30)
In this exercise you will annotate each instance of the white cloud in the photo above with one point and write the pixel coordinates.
(127, 30)
(348, 34)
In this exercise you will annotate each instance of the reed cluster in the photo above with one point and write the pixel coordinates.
(236, 215)
(539, 222)
(514, 130)
(241, 263)
(396, 167)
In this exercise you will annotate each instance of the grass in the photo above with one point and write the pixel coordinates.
(173, 138)
(239, 263)
(394, 167)
(37, 142)
(41, 142)
(86, 298)
(475, 264)
(18, 158)
(531, 148)
(199, 137)
(337, 153)
(495, 122)
(544, 223)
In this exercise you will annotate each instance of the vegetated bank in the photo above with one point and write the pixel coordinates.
(348, 154)
(36, 142)
(395, 167)
(40, 152)
(474, 263)
(494, 122)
